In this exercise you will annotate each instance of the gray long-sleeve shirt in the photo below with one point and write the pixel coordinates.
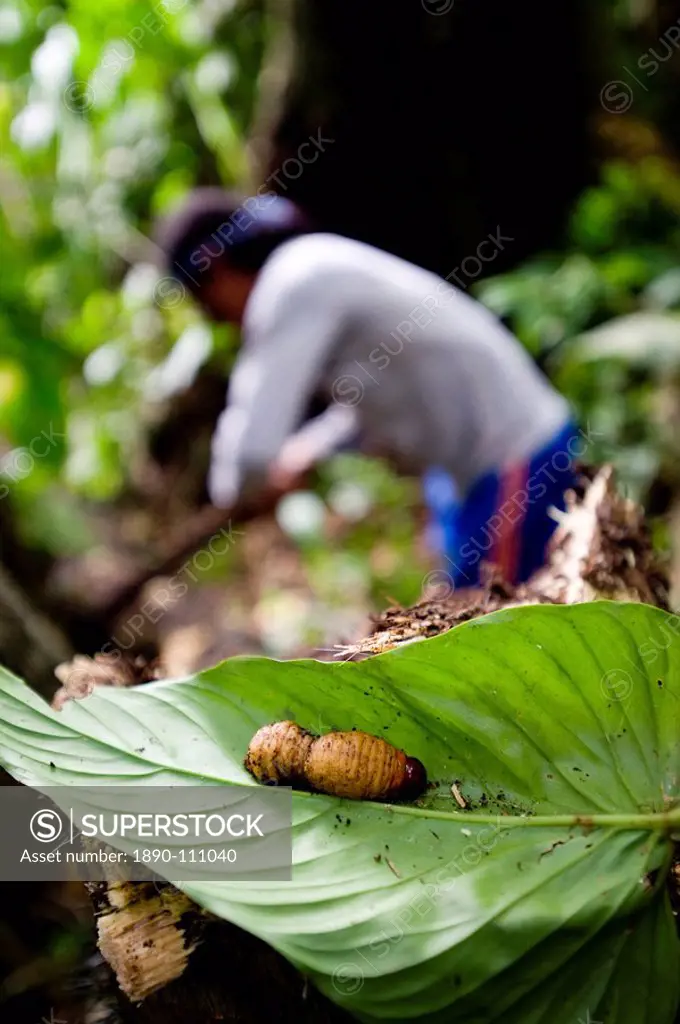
(418, 368)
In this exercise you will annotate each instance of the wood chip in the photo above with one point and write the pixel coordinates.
(392, 867)
(457, 796)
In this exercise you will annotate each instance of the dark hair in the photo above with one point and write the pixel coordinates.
(213, 226)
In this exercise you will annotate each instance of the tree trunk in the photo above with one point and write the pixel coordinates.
(450, 121)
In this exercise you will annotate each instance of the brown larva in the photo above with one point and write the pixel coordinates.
(354, 765)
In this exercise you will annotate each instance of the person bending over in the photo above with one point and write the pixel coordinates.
(411, 368)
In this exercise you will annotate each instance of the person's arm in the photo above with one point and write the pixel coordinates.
(333, 430)
(287, 344)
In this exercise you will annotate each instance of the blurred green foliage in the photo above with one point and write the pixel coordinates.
(109, 111)
(620, 261)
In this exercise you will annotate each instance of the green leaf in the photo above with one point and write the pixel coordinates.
(544, 901)
(649, 340)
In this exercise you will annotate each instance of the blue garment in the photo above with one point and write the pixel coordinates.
(504, 519)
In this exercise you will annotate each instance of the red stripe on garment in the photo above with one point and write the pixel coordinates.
(506, 551)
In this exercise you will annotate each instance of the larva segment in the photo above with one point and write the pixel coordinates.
(358, 766)
(277, 753)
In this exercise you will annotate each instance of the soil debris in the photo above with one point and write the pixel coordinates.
(602, 548)
(79, 676)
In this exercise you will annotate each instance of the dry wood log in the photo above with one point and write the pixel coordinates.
(175, 963)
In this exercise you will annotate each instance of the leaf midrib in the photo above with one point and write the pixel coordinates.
(658, 821)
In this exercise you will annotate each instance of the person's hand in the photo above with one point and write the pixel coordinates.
(282, 480)
(291, 469)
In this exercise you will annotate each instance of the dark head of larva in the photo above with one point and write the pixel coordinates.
(414, 781)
